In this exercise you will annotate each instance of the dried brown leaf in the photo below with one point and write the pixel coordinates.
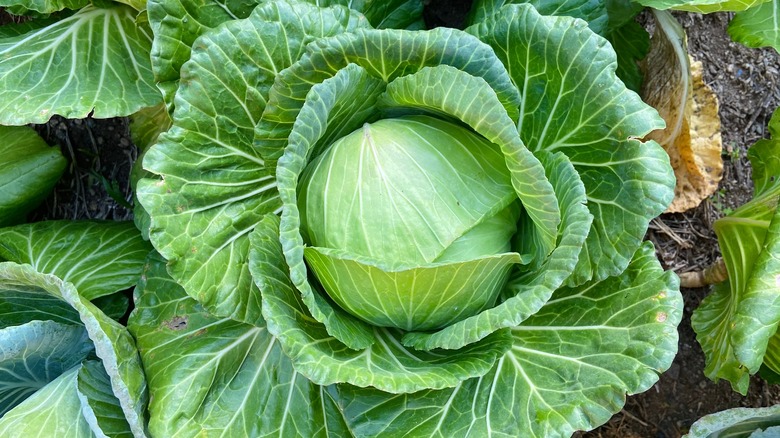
(674, 86)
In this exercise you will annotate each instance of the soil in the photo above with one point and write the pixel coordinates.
(96, 185)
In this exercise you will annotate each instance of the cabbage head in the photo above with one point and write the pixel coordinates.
(368, 231)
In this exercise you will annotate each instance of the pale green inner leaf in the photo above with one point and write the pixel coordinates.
(386, 364)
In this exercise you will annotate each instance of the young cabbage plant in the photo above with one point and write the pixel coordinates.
(69, 368)
(737, 324)
(384, 231)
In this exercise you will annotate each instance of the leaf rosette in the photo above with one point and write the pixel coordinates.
(404, 210)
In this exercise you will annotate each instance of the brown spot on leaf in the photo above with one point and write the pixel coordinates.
(176, 323)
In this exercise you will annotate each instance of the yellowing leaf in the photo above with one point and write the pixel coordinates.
(675, 88)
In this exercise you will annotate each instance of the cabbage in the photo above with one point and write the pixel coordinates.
(379, 232)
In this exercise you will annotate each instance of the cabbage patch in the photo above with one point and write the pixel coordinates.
(369, 231)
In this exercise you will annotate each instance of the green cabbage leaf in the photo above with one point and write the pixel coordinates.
(91, 62)
(69, 368)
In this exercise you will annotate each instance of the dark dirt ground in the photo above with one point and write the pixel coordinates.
(746, 82)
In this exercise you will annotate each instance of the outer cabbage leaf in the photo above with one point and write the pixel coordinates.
(113, 343)
(95, 61)
(99, 406)
(79, 403)
(216, 186)
(176, 25)
(738, 422)
(28, 172)
(734, 324)
(570, 366)
(573, 103)
(98, 258)
(323, 359)
(758, 26)
(595, 12)
(611, 19)
(55, 410)
(36, 353)
(212, 376)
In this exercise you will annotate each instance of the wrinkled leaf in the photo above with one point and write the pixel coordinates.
(176, 25)
(216, 185)
(690, 108)
(572, 103)
(212, 376)
(567, 370)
